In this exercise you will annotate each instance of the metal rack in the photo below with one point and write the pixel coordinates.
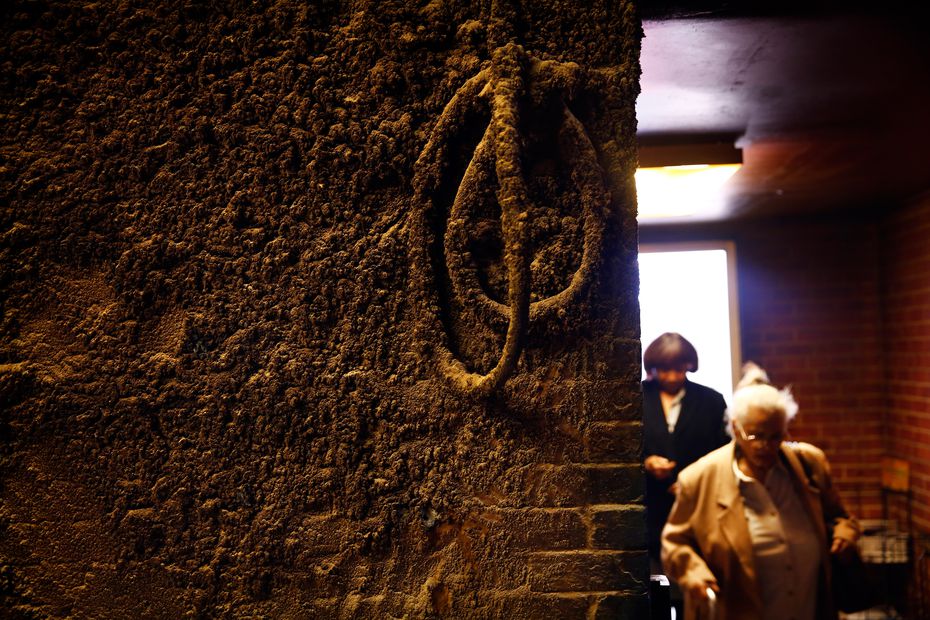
(887, 551)
(921, 594)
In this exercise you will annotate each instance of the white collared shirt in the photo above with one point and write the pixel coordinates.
(674, 410)
(784, 543)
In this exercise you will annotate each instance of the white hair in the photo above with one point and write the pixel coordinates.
(752, 374)
(761, 396)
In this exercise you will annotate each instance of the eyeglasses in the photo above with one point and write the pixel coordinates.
(759, 439)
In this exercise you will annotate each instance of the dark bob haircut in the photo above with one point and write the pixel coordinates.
(670, 350)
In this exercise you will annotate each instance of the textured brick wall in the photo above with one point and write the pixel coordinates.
(907, 346)
(810, 313)
(228, 233)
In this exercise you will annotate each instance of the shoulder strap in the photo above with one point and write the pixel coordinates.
(805, 466)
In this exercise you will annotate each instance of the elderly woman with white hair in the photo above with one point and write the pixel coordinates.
(754, 522)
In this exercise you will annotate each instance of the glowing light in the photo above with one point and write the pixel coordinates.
(703, 275)
(682, 191)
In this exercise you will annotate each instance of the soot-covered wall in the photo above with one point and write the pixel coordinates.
(319, 310)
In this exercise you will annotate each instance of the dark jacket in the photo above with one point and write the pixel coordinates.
(700, 429)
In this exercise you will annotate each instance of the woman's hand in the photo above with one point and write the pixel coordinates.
(696, 591)
(659, 466)
(842, 548)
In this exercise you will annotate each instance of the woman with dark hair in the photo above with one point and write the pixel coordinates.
(682, 421)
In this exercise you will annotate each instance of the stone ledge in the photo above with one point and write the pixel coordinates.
(579, 571)
(536, 529)
(584, 484)
(614, 442)
(619, 527)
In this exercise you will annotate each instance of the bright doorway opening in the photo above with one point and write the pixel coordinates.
(691, 289)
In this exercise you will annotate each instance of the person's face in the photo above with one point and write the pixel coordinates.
(671, 380)
(760, 435)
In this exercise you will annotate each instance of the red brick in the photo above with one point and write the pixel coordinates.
(908, 350)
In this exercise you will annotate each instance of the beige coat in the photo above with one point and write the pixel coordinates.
(707, 535)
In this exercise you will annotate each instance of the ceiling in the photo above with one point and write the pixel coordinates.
(830, 106)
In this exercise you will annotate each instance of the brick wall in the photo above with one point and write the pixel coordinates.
(239, 246)
(809, 295)
(810, 313)
(907, 352)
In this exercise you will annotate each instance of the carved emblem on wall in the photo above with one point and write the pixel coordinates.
(513, 85)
